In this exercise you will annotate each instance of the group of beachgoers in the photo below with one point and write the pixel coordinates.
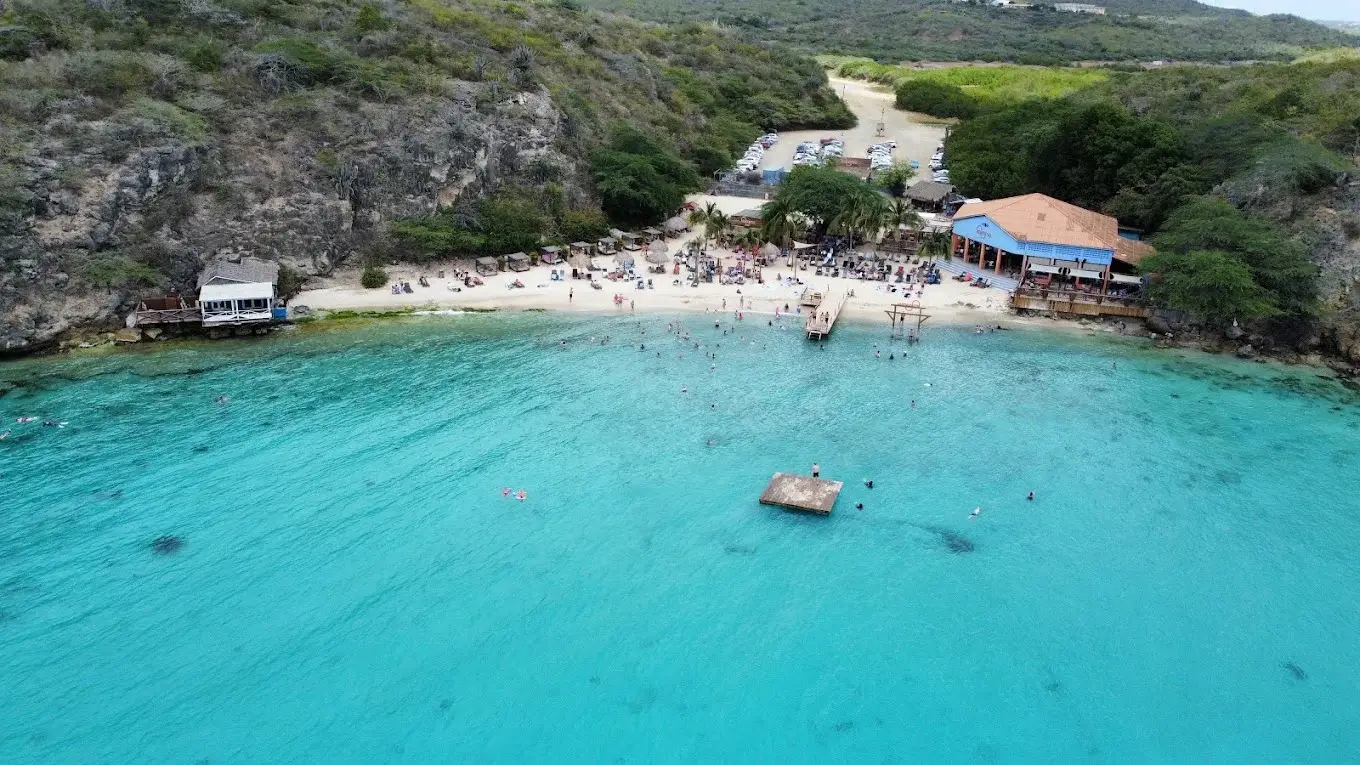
(30, 420)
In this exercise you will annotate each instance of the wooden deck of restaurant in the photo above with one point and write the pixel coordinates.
(802, 493)
(1076, 303)
(168, 310)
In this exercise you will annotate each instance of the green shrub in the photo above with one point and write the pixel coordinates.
(120, 271)
(205, 56)
(937, 99)
(172, 119)
(17, 43)
(291, 281)
(109, 74)
(369, 19)
(583, 225)
(639, 179)
(373, 277)
(316, 64)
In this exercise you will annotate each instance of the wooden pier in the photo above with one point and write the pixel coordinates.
(802, 493)
(825, 313)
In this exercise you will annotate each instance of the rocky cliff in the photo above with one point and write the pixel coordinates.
(140, 139)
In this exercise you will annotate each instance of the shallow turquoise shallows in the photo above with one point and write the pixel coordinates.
(352, 586)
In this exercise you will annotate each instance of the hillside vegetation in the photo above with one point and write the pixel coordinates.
(1243, 176)
(139, 138)
(892, 31)
(965, 91)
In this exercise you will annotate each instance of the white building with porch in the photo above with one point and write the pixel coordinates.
(234, 294)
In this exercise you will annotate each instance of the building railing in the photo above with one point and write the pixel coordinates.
(1078, 296)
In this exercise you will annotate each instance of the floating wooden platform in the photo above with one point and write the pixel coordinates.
(801, 492)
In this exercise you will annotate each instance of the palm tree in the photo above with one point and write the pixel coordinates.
(699, 218)
(900, 213)
(865, 213)
(935, 244)
(749, 239)
(778, 221)
(717, 225)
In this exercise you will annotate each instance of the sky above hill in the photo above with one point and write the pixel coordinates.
(1325, 10)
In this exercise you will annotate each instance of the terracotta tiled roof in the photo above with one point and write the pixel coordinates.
(1041, 218)
(1131, 250)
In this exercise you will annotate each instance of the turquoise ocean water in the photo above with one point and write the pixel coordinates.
(353, 588)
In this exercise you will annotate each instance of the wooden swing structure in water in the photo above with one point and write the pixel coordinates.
(901, 314)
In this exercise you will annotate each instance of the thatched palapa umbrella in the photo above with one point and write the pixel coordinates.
(676, 225)
(656, 252)
(769, 251)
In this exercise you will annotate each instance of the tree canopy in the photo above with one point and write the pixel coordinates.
(824, 195)
(640, 181)
(1213, 285)
(1277, 265)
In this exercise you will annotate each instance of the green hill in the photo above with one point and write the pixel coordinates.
(141, 138)
(941, 30)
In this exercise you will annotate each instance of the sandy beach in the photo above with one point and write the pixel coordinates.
(948, 302)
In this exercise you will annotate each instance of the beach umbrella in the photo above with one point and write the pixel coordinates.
(676, 225)
(624, 259)
(769, 250)
(656, 252)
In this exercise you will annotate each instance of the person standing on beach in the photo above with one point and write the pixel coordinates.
(816, 470)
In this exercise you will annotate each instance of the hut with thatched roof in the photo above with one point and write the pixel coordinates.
(676, 226)
(656, 252)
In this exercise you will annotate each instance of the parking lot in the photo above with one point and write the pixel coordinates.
(915, 140)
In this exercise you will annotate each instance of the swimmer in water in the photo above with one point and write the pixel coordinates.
(976, 512)
(859, 505)
(522, 495)
(5, 435)
(1030, 497)
(683, 389)
(224, 399)
(505, 492)
(869, 484)
(23, 420)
